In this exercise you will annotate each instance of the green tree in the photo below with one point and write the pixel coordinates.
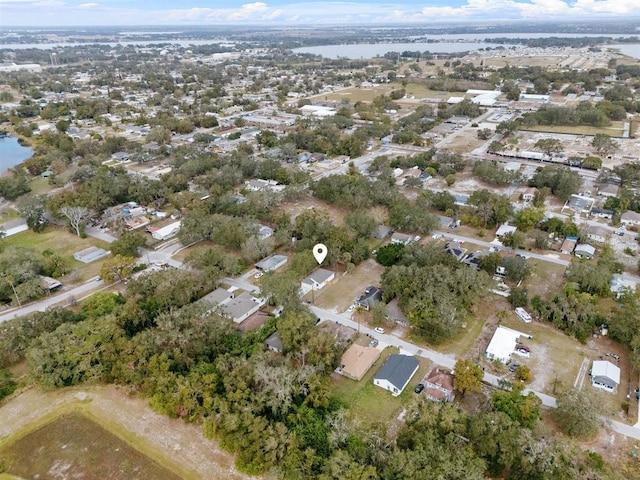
(117, 268)
(32, 209)
(579, 412)
(604, 144)
(128, 244)
(549, 145)
(518, 297)
(523, 373)
(527, 218)
(524, 409)
(468, 376)
(513, 240)
(390, 254)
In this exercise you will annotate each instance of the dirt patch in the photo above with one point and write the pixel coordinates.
(73, 446)
(294, 209)
(170, 442)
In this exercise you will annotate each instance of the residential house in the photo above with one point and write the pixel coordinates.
(241, 307)
(569, 245)
(602, 213)
(620, 285)
(272, 262)
(357, 361)
(584, 251)
(91, 254)
(504, 229)
(608, 190)
(396, 373)
(370, 296)
(438, 386)
(51, 284)
(630, 218)
(401, 238)
(273, 342)
(605, 375)
(597, 233)
(455, 249)
(264, 231)
(382, 231)
(503, 344)
(579, 204)
(166, 232)
(317, 280)
(219, 296)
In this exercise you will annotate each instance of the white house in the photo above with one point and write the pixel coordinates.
(597, 233)
(584, 251)
(605, 375)
(317, 280)
(630, 217)
(167, 232)
(396, 373)
(402, 238)
(503, 344)
(504, 229)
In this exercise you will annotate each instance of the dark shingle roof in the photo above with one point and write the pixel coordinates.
(397, 370)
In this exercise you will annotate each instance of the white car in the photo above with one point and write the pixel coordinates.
(258, 275)
(351, 308)
(378, 330)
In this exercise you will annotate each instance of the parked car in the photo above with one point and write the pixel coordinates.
(351, 308)
(373, 343)
(514, 367)
(378, 330)
(419, 388)
(258, 275)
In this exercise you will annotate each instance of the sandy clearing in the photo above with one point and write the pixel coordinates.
(180, 442)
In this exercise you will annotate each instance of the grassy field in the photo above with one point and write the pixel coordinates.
(421, 91)
(76, 447)
(39, 185)
(615, 130)
(371, 404)
(341, 293)
(63, 243)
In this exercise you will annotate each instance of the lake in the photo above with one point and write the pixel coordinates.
(12, 153)
(629, 49)
(372, 50)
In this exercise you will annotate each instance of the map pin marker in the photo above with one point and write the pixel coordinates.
(320, 252)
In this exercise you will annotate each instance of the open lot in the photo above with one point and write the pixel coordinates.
(615, 130)
(176, 446)
(64, 243)
(76, 447)
(341, 292)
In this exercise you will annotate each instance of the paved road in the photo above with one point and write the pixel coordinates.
(77, 293)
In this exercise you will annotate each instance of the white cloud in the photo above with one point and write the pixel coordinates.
(88, 5)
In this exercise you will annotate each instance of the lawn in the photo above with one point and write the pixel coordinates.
(359, 94)
(371, 404)
(342, 292)
(615, 130)
(8, 214)
(63, 243)
(76, 447)
(421, 91)
(39, 185)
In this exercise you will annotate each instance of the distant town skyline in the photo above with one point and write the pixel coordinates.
(288, 12)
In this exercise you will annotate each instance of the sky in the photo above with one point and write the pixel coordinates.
(301, 12)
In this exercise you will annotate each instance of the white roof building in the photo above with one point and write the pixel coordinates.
(166, 232)
(504, 229)
(503, 344)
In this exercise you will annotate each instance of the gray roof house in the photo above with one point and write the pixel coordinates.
(241, 307)
(273, 342)
(272, 262)
(605, 375)
(91, 254)
(396, 373)
(597, 233)
(370, 296)
(402, 238)
(317, 280)
(382, 231)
